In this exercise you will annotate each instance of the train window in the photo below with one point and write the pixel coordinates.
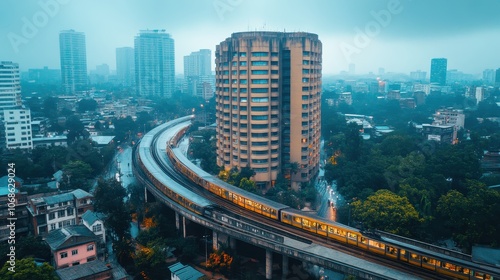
(364, 240)
(306, 223)
(296, 219)
(376, 244)
(479, 275)
(339, 232)
(449, 266)
(322, 227)
(352, 236)
(414, 256)
(285, 216)
(429, 260)
(391, 250)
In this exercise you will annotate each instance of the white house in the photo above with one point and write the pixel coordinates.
(95, 222)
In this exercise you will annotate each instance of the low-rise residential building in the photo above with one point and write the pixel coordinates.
(440, 133)
(52, 211)
(16, 210)
(94, 270)
(450, 116)
(179, 271)
(95, 222)
(51, 141)
(72, 245)
(17, 125)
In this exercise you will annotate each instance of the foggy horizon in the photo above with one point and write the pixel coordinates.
(397, 35)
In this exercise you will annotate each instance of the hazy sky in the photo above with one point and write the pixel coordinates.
(398, 35)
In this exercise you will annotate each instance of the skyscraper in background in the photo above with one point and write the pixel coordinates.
(489, 76)
(268, 94)
(438, 71)
(15, 120)
(198, 73)
(10, 93)
(497, 77)
(73, 56)
(125, 65)
(154, 63)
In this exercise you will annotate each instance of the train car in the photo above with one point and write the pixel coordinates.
(414, 255)
(441, 263)
(247, 200)
(320, 226)
(372, 242)
(162, 183)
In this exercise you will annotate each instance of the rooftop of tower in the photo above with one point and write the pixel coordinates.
(253, 34)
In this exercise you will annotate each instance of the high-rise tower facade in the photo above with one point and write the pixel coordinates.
(154, 63)
(10, 85)
(198, 73)
(15, 120)
(73, 55)
(125, 65)
(438, 71)
(268, 92)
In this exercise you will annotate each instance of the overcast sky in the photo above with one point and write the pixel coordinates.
(398, 35)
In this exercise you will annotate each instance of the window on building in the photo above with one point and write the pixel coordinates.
(259, 90)
(74, 252)
(260, 63)
(259, 108)
(61, 213)
(52, 226)
(260, 72)
(259, 117)
(260, 81)
(63, 255)
(52, 216)
(90, 247)
(70, 211)
(243, 72)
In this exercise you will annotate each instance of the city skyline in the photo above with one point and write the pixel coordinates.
(369, 34)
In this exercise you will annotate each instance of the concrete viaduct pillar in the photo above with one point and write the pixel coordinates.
(269, 264)
(285, 266)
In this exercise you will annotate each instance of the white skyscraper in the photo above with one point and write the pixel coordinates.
(154, 63)
(15, 121)
(73, 55)
(10, 86)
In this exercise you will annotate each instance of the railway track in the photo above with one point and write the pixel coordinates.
(160, 157)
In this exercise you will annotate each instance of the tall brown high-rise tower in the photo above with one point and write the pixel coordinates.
(268, 90)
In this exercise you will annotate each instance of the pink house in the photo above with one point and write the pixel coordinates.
(72, 245)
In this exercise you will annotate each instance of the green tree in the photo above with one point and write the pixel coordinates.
(26, 269)
(137, 200)
(387, 211)
(27, 247)
(353, 142)
(109, 199)
(76, 175)
(85, 105)
(75, 129)
(248, 185)
(50, 107)
(468, 216)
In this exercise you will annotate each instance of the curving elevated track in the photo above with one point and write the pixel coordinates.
(198, 196)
